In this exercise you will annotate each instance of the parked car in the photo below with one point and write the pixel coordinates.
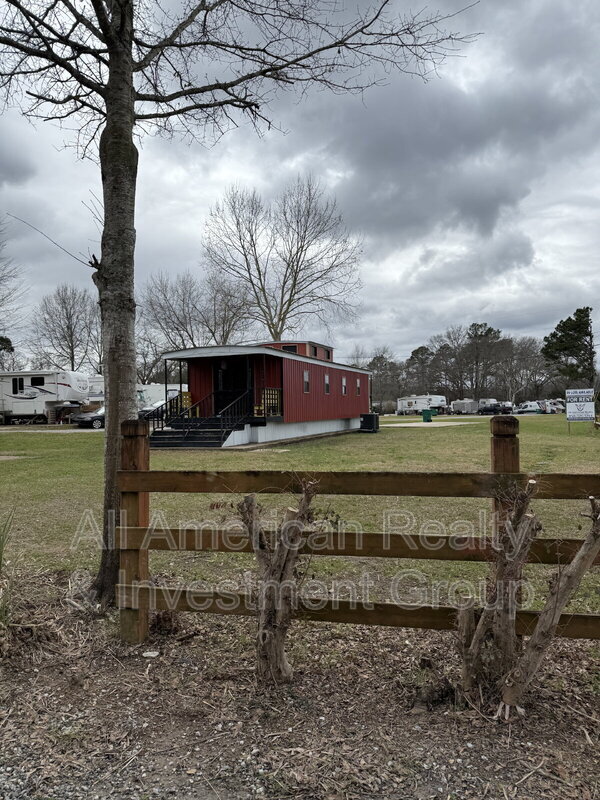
(530, 407)
(144, 412)
(491, 408)
(90, 419)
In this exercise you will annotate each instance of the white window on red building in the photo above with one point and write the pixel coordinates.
(327, 385)
(344, 385)
(306, 381)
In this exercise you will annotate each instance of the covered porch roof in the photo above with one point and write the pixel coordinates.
(223, 351)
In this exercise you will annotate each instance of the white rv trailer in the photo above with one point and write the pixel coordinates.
(415, 403)
(40, 396)
(466, 406)
(147, 394)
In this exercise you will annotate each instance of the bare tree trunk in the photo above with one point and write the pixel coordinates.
(490, 650)
(115, 278)
(489, 647)
(276, 587)
(562, 588)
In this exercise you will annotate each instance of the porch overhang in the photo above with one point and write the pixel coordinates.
(224, 351)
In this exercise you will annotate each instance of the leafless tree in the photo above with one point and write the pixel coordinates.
(63, 325)
(295, 258)
(95, 357)
(186, 311)
(225, 309)
(521, 365)
(11, 288)
(11, 359)
(120, 65)
(149, 352)
(359, 357)
(170, 309)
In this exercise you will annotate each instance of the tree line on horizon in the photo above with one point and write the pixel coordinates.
(479, 361)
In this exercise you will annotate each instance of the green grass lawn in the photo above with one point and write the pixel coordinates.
(55, 487)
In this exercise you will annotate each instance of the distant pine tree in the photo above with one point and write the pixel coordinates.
(6, 346)
(570, 347)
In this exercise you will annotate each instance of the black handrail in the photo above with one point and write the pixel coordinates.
(200, 410)
(233, 414)
(158, 417)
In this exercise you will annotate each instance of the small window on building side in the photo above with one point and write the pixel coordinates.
(357, 387)
(290, 348)
(328, 354)
(306, 381)
(313, 351)
(37, 380)
(344, 385)
(327, 385)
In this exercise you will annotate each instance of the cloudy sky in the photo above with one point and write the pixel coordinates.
(477, 193)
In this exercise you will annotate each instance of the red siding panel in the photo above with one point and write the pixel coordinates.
(299, 406)
(267, 374)
(200, 378)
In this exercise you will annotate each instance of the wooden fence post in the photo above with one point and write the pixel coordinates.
(135, 511)
(505, 457)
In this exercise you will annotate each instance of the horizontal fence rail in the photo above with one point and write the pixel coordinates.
(137, 595)
(551, 486)
(317, 609)
(344, 543)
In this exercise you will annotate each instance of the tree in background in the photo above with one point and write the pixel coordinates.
(225, 310)
(112, 67)
(148, 354)
(570, 348)
(294, 259)
(418, 368)
(64, 325)
(10, 359)
(11, 288)
(386, 378)
(520, 366)
(185, 311)
(359, 357)
(481, 355)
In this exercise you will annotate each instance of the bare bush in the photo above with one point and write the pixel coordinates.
(276, 558)
(494, 657)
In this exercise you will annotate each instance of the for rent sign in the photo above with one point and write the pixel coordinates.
(580, 405)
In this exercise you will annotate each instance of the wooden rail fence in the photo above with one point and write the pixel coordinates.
(137, 595)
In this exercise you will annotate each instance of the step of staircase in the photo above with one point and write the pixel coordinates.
(196, 437)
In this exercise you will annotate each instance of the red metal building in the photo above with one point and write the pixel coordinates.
(240, 394)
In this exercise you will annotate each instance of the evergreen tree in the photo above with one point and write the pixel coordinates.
(570, 347)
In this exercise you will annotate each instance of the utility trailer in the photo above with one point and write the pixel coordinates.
(40, 397)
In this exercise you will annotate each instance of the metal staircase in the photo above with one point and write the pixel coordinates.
(176, 425)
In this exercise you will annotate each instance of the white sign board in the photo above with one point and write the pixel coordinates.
(580, 405)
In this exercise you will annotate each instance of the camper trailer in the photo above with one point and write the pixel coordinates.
(465, 406)
(416, 403)
(40, 397)
(147, 394)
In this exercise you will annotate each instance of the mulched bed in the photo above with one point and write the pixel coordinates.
(371, 713)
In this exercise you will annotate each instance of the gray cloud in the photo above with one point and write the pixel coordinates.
(476, 193)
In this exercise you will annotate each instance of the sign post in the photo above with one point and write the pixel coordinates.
(580, 406)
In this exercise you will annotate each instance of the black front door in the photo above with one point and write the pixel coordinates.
(232, 377)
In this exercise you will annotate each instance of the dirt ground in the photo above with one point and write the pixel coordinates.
(83, 715)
